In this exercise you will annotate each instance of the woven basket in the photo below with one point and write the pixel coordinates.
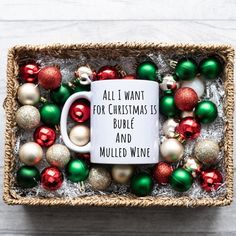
(114, 50)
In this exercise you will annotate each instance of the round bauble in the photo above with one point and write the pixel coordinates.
(167, 106)
(192, 166)
(169, 83)
(169, 127)
(30, 153)
(162, 172)
(206, 112)
(171, 150)
(77, 170)
(197, 85)
(58, 155)
(80, 111)
(85, 75)
(27, 117)
(28, 94)
(129, 77)
(29, 72)
(80, 135)
(206, 151)
(50, 114)
(185, 114)
(99, 178)
(122, 173)
(181, 180)
(50, 77)
(61, 94)
(147, 70)
(27, 176)
(107, 73)
(80, 88)
(44, 136)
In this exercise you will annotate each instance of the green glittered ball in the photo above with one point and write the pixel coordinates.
(206, 112)
(50, 114)
(167, 105)
(210, 68)
(141, 184)
(27, 176)
(186, 69)
(61, 94)
(181, 180)
(77, 170)
(147, 70)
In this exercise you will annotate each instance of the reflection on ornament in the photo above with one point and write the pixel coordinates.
(28, 94)
(85, 75)
(80, 135)
(169, 83)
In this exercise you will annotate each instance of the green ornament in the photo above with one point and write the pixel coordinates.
(186, 69)
(206, 112)
(77, 170)
(50, 114)
(181, 180)
(210, 68)
(28, 176)
(61, 94)
(147, 70)
(141, 184)
(80, 88)
(167, 105)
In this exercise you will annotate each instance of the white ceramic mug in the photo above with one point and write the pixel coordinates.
(124, 122)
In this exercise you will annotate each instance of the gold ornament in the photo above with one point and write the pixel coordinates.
(169, 128)
(28, 117)
(193, 166)
(30, 153)
(122, 173)
(185, 114)
(58, 155)
(80, 135)
(28, 94)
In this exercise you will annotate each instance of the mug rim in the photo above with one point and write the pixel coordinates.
(125, 80)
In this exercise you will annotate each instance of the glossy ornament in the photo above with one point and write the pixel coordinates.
(169, 127)
(211, 180)
(85, 156)
(61, 94)
(85, 75)
(27, 117)
(58, 155)
(141, 184)
(181, 180)
(162, 172)
(192, 166)
(171, 150)
(186, 99)
(129, 77)
(28, 94)
(147, 70)
(80, 135)
(167, 105)
(188, 128)
(80, 88)
(77, 170)
(44, 136)
(186, 69)
(30, 153)
(51, 178)
(29, 72)
(122, 173)
(169, 83)
(185, 114)
(206, 112)
(107, 73)
(50, 77)
(80, 111)
(196, 84)
(27, 176)
(99, 178)
(50, 114)
(206, 151)
(210, 68)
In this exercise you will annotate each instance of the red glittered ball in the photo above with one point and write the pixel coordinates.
(211, 179)
(44, 136)
(186, 99)
(50, 77)
(29, 72)
(80, 111)
(162, 172)
(129, 77)
(51, 178)
(107, 72)
(188, 128)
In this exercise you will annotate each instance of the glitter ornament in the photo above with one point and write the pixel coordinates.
(129, 77)
(44, 136)
(169, 83)
(192, 166)
(85, 75)
(162, 172)
(51, 178)
(141, 184)
(61, 94)
(206, 151)
(147, 70)
(169, 127)
(185, 99)
(188, 128)
(197, 85)
(181, 180)
(171, 150)
(50, 77)
(30, 153)
(99, 178)
(29, 72)
(27, 117)
(27, 176)
(167, 105)
(80, 135)
(50, 114)
(107, 73)
(58, 155)
(122, 173)
(80, 111)
(28, 94)
(211, 180)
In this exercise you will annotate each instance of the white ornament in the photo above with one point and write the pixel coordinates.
(196, 84)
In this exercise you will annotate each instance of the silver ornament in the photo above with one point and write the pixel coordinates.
(122, 173)
(84, 74)
(28, 94)
(80, 135)
(168, 128)
(169, 83)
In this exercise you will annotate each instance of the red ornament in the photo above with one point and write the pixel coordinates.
(107, 72)
(188, 128)
(80, 111)
(129, 77)
(29, 72)
(51, 178)
(211, 179)
(162, 172)
(85, 156)
(50, 77)
(186, 99)
(44, 136)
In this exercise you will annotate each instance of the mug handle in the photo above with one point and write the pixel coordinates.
(63, 122)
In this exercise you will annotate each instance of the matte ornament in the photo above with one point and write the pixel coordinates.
(80, 111)
(50, 114)
(197, 85)
(162, 172)
(147, 70)
(107, 73)
(29, 72)
(167, 105)
(80, 135)
(192, 166)
(122, 173)
(28, 94)
(169, 83)
(44, 136)
(61, 94)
